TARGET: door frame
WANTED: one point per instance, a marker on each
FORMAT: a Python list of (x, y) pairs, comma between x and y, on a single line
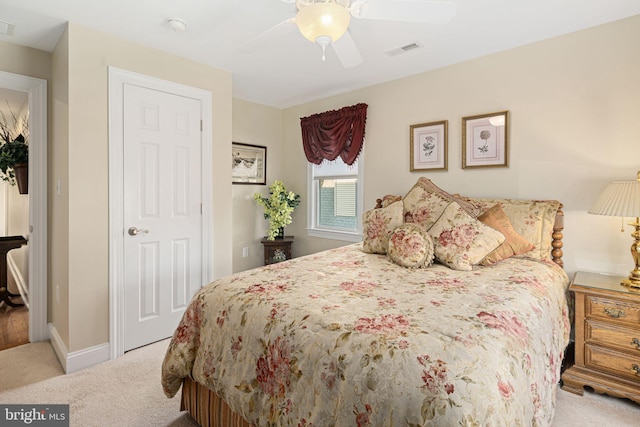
[(117, 79), (37, 91)]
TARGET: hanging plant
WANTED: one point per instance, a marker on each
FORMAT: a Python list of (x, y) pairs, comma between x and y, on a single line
[(13, 153), (14, 150)]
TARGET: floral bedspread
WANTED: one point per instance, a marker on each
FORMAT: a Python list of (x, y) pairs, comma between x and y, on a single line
[(345, 338)]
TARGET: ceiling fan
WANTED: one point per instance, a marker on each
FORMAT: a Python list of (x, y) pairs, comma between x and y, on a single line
[(326, 22)]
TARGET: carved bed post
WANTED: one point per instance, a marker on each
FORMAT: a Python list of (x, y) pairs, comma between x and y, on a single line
[(557, 236)]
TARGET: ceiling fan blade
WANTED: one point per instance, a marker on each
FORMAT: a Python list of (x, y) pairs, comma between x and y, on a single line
[(347, 51), (417, 11), (282, 29)]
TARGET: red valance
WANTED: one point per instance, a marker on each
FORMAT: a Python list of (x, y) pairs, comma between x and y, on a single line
[(334, 133)]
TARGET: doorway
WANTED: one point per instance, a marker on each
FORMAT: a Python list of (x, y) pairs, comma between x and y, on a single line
[(137, 228), (36, 91), (14, 221)]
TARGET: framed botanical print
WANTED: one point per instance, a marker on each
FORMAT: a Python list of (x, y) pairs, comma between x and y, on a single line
[(248, 164), (428, 146), (485, 140)]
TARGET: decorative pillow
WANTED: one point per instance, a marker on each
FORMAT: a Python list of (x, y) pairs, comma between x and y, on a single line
[(378, 224), (462, 241), (388, 199), (425, 202), (514, 243), (532, 219), (411, 246)]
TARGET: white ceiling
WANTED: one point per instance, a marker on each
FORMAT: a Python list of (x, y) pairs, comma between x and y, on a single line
[(284, 69)]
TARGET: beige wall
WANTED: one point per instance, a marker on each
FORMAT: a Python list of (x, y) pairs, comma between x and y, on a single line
[(84, 179), (58, 166), (574, 110), (258, 125), (25, 60)]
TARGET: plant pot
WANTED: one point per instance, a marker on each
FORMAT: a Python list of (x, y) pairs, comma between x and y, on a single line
[(280, 234), (21, 171)]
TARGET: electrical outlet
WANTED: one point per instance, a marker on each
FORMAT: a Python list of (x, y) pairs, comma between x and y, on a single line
[(245, 252)]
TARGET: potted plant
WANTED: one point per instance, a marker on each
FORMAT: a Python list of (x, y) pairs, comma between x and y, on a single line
[(278, 208), (14, 152)]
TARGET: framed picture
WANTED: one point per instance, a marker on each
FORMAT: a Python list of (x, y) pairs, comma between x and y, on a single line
[(248, 164), (428, 146), (485, 140)]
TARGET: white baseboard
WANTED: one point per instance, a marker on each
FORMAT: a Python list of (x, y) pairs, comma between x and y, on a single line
[(77, 360)]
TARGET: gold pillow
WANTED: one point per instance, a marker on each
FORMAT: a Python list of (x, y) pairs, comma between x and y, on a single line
[(514, 243)]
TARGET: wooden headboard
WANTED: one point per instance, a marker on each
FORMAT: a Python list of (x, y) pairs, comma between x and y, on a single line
[(556, 242)]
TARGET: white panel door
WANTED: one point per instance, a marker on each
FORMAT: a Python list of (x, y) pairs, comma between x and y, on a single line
[(162, 211)]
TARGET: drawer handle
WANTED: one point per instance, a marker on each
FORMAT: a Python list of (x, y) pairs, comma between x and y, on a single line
[(635, 368), (614, 312), (636, 342)]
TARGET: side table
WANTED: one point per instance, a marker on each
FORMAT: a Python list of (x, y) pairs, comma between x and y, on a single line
[(607, 352), (277, 250)]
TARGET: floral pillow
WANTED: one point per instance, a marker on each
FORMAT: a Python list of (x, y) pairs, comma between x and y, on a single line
[(462, 241), (425, 202), (389, 199), (514, 243), (411, 246), (378, 224), (532, 219)]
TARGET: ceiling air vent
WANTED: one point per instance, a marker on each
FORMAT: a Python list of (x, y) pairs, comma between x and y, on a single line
[(6, 28), (403, 49)]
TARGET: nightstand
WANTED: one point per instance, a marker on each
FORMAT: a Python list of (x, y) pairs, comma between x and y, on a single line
[(607, 337), (277, 250)]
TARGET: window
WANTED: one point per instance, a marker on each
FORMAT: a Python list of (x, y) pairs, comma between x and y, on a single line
[(335, 200)]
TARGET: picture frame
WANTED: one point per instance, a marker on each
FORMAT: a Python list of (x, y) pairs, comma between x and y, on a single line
[(248, 164), (428, 146), (485, 140)]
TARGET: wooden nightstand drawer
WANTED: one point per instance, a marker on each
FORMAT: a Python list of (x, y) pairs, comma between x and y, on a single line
[(624, 338), (612, 362), (607, 334), (612, 310)]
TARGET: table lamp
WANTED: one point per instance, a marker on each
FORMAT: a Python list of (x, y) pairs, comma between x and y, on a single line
[(622, 198)]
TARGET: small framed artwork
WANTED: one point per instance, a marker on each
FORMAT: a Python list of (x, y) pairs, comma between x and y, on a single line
[(248, 164), (428, 146), (485, 140)]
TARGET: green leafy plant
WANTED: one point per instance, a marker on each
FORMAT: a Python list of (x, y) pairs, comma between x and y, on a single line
[(14, 149), (278, 207)]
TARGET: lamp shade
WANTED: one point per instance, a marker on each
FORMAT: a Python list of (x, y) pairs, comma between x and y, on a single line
[(326, 19), (620, 198)]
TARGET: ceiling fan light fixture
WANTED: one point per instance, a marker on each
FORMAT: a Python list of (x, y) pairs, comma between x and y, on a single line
[(319, 21)]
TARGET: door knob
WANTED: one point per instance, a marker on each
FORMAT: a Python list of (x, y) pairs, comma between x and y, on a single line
[(133, 231)]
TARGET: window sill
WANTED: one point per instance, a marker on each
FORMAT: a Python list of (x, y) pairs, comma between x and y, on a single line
[(335, 235)]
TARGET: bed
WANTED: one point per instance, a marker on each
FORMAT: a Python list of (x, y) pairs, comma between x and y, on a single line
[(434, 319)]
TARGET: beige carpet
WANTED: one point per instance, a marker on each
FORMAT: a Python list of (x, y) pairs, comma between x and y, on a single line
[(28, 364), (127, 392)]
